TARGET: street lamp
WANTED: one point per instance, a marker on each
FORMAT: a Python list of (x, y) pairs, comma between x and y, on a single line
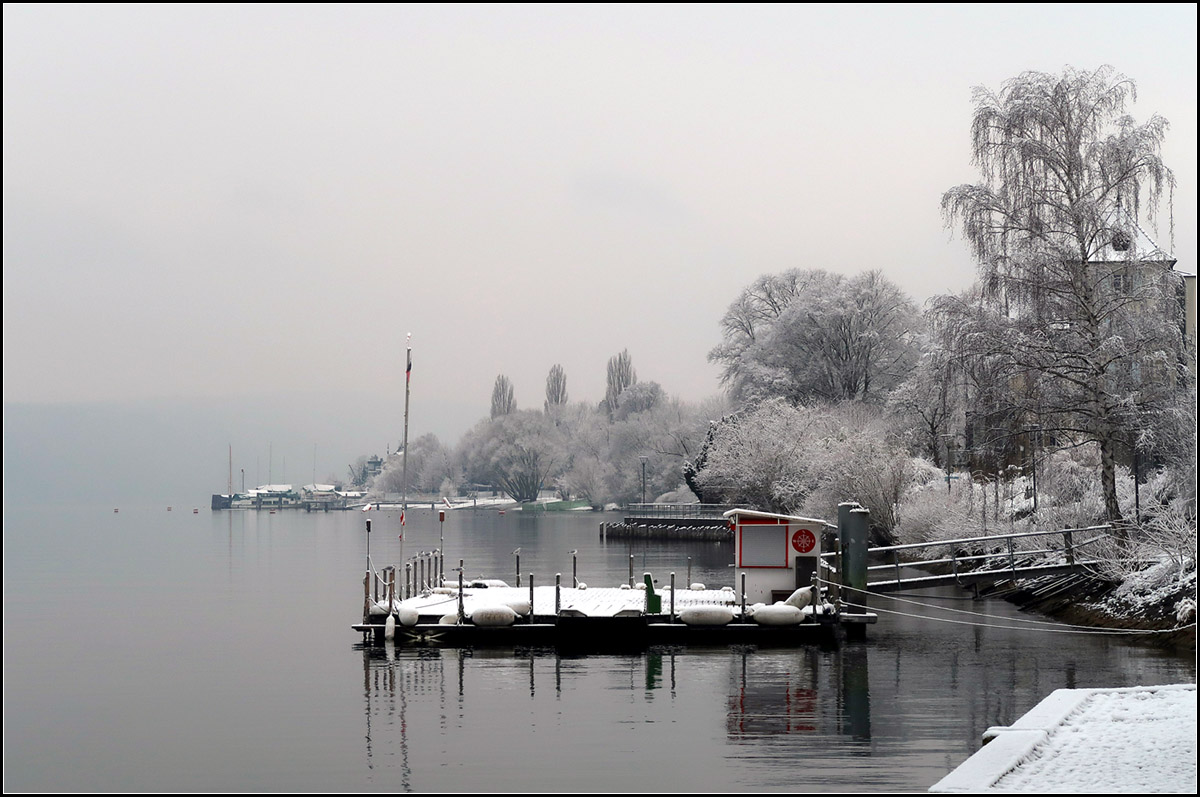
[(643, 481)]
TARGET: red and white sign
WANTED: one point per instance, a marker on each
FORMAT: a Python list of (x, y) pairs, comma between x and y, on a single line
[(803, 541)]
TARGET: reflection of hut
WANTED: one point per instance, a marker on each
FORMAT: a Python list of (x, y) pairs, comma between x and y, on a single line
[(777, 553), (773, 696)]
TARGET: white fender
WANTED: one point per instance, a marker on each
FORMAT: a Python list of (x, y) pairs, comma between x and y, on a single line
[(389, 627), (519, 605), (800, 598), (778, 614), (407, 616), (706, 615), (493, 616)]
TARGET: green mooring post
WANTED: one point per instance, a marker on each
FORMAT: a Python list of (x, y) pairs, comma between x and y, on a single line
[(855, 534), (653, 602)]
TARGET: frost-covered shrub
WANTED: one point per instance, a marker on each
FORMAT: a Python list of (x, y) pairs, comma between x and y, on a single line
[(861, 465)]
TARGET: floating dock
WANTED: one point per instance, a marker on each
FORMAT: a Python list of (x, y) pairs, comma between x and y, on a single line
[(601, 618), (782, 598)]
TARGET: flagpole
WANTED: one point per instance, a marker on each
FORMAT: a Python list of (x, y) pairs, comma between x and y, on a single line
[(404, 466)]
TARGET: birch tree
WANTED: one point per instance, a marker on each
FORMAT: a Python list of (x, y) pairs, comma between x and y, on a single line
[(1071, 307)]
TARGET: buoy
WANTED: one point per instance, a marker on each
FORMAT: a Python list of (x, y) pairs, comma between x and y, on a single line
[(407, 616), (518, 605), (448, 619), (778, 614), (493, 616), (697, 587), (800, 598), (706, 615), (389, 627)]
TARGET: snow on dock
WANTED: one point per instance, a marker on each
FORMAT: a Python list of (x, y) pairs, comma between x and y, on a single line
[(591, 602), (1136, 740)]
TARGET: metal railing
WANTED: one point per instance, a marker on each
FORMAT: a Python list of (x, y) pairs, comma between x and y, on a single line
[(714, 511), (1006, 556)]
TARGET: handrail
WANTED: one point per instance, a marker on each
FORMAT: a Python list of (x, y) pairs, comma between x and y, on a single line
[(963, 540)]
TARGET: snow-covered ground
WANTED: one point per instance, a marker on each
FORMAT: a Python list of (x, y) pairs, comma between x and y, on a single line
[(1137, 740)]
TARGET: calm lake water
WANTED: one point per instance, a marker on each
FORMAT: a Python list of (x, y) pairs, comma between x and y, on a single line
[(149, 650)]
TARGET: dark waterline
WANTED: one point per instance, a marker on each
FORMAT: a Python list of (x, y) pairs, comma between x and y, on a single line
[(150, 650)]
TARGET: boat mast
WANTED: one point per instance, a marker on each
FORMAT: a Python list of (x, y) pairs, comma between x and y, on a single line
[(231, 475)]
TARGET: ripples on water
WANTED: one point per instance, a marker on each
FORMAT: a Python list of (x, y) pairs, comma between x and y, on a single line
[(177, 652)]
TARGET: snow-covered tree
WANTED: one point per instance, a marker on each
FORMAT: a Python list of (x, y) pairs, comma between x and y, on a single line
[(1074, 313), (621, 374), (556, 388), (502, 397), (520, 453), (813, 336), (928, 399)]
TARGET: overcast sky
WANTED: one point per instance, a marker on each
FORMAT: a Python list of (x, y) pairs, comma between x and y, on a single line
[(218, 202)]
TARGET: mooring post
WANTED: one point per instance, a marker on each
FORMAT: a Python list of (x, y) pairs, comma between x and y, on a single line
[(557, 593), (517, 554), (818, 602), (857, 537), (408, 591), (531, 597), (743, 596), (689, 578), (391, 588), (461, 615), (1070, 547), (574, 569), (631, 571), (673, 593), (366, 597)]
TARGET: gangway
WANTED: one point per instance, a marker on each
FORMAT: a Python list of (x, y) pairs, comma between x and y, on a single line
[(1001, 564)]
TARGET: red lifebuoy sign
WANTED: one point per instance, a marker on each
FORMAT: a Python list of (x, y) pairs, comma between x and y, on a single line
[(803, 541)]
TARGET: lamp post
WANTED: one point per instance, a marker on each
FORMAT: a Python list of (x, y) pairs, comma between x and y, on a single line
[(643, 481)]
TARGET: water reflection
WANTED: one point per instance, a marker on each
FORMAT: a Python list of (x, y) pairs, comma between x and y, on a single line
[(816, 691)]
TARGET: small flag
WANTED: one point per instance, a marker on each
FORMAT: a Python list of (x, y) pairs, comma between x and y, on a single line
[(446, 501), (367, 508), (401, 517), (408, 368)]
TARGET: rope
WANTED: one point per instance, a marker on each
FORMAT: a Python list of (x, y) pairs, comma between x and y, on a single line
[(1054, 627), (1067, 630)]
